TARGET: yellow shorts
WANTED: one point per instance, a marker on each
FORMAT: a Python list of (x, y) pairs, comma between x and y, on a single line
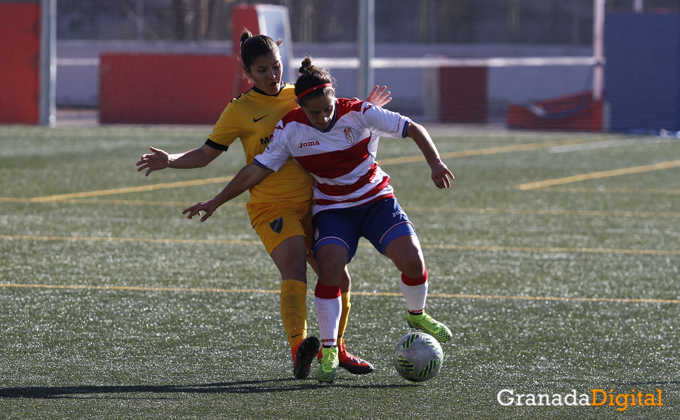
[(276, 222)]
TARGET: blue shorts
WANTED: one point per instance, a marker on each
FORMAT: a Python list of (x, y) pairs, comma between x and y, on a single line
[(380, 222)]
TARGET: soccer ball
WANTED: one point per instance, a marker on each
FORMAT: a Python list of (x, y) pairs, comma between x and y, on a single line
[(418, 357)]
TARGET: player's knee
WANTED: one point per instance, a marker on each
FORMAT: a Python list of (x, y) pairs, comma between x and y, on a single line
[(408, 260), (412, 266), (294, 270), (330, 273), (332, 259)]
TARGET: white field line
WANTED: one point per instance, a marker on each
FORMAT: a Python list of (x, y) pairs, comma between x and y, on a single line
[(607, 144)]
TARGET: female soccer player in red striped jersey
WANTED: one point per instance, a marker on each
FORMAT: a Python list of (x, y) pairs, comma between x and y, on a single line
[(336, 140), (279, 208)]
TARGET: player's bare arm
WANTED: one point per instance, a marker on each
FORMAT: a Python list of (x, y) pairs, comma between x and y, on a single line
[(441, 175), (248, 177), (195, 158)]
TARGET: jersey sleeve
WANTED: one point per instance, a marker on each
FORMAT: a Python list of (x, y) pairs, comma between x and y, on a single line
[(277, 152), (384, 122), (227, 129)]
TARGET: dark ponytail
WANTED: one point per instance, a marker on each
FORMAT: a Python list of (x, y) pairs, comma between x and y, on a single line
[(310, 77), (254, 46)]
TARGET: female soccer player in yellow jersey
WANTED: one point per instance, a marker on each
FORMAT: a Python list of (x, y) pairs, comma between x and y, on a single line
[(280, 207)]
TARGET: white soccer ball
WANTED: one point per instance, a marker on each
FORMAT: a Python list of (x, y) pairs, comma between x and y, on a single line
[(418, 357)]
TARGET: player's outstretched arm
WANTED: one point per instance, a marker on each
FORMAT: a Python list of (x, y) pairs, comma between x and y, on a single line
[(159, 159), (248, 177), (441, 175)]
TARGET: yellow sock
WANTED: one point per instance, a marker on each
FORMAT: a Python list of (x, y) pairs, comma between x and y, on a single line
[(344, 316), (294, 310)]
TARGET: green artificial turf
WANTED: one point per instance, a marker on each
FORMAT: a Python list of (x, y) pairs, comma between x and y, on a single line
[(114, 305)]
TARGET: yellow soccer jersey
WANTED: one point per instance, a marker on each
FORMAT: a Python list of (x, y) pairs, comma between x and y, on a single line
[(252, 118)]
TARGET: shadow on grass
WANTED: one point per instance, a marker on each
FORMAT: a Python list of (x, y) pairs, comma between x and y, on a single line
[(241, 387)]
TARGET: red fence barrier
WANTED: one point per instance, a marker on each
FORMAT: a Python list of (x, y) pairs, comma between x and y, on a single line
[(164, 88), (19, 63)]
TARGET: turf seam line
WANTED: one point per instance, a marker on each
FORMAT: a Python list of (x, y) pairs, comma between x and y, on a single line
[(120, 202), (540, 212), (553, 250), (545, 212), (388, 294), (426, 246), (141, 240)]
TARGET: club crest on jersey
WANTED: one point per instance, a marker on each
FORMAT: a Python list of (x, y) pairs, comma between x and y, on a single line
[(349, 136), (277, 225)]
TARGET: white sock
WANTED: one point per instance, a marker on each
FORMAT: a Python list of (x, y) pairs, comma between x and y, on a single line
[(328, 313), (415, 296)]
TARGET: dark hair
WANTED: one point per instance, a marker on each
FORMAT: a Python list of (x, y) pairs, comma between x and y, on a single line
[(254, 46), (311, 76)]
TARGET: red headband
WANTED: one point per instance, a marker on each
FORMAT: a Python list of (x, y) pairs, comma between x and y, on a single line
[(312, 89)]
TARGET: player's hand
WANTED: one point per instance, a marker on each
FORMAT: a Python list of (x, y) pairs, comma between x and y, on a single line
[(441, 175), (208, 207), (379, 96), (153, 161)]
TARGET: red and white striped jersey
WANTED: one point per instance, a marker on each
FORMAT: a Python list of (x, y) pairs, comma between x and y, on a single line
[(341, 158)]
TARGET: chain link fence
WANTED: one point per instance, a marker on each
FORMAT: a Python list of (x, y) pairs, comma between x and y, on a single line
[(563, 22)]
